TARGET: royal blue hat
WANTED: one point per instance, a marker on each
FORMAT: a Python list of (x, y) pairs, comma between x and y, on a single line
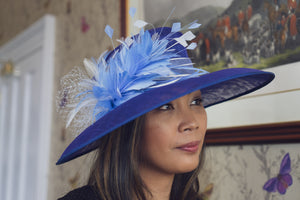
[(145, 72)]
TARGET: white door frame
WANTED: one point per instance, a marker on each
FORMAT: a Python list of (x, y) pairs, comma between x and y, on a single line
[(39, 37)]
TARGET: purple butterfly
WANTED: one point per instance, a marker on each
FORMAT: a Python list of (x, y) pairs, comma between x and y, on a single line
[(283, 179)]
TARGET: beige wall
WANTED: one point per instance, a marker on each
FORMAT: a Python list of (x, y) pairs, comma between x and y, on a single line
[(72, 46)]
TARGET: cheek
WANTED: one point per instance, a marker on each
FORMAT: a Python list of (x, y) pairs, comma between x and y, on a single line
[(203, 121), (158, 135), (157, 142)]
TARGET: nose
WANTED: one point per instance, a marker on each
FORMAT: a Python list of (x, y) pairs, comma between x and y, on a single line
[(188, 122)]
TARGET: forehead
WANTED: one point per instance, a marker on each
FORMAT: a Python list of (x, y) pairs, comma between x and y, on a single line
[(195, 93), (188, 96)]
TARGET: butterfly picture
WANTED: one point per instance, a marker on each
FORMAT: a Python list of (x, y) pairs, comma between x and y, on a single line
[(283, 179)]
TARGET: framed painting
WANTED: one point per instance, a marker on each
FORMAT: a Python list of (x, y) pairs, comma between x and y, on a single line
[(240, 33), (234, 33)]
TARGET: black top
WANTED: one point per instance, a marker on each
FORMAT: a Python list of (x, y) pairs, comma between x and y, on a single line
[(84, 193)]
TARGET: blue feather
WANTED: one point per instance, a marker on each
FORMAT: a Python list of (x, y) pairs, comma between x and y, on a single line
[(176, 27), (148, 62), (109, 31), (132, 11)]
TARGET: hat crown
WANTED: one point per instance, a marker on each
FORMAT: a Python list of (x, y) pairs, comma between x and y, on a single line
[(153, 58)]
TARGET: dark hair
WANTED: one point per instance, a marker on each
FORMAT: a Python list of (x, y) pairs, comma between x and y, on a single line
[(115, 173)]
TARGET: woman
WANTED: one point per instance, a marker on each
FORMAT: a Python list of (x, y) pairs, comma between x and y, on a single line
[(142, 105)]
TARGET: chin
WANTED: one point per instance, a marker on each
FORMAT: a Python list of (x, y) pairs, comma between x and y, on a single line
[(187, 165), (191, 167)]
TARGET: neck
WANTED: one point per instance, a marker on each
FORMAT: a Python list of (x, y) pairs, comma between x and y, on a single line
[(158, 183)]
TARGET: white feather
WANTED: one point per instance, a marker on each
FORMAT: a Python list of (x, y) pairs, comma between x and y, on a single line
[(74, 111), (90, 67), (140, 23), (188, 36)]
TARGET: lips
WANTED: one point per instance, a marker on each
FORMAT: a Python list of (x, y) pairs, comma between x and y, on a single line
[(190, 147)]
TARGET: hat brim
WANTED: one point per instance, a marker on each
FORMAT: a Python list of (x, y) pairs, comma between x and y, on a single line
[(215, 87)]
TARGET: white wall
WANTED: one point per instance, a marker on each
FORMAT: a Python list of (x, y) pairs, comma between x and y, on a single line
[(277, 102)]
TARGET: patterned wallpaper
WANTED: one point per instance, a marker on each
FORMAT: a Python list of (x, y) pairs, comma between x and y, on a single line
[(266, 172)]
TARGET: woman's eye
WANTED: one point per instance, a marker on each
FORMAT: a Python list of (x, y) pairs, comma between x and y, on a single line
[(166, 107), (197, 102)]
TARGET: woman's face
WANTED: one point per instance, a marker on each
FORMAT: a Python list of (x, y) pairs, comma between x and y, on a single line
[(174, 135)]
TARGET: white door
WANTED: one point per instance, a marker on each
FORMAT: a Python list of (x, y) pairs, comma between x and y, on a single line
[(25, 113)]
